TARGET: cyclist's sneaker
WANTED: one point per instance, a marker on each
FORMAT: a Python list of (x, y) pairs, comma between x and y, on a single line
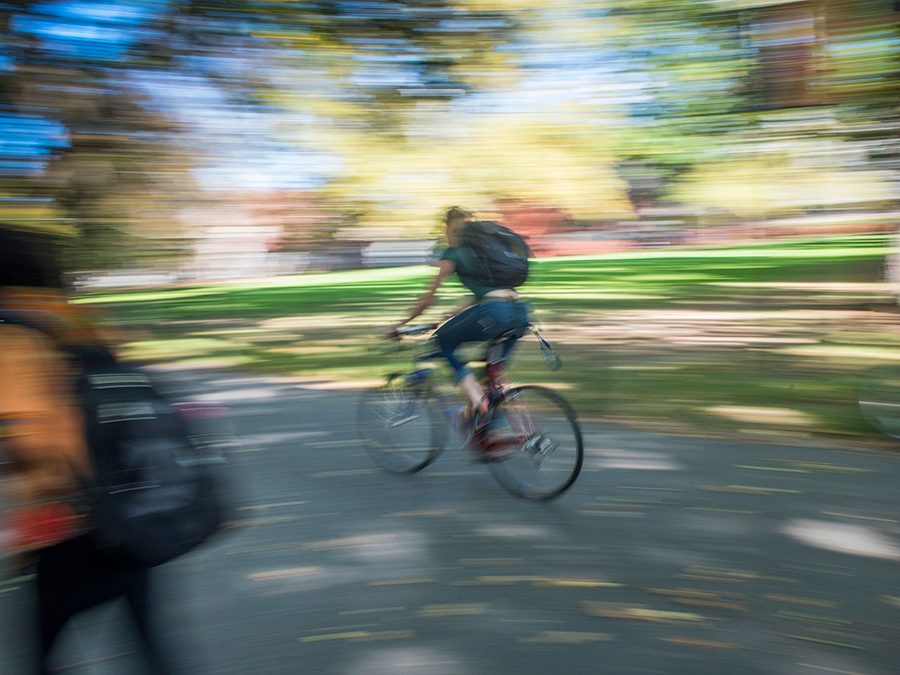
[(491, 437), (466, 424), (477, 446)]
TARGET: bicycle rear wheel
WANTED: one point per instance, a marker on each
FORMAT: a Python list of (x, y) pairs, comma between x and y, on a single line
[(545, 450), (403, 427)]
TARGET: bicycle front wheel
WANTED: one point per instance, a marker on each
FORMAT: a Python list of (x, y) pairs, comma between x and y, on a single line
[(545, 449), (403, 427)]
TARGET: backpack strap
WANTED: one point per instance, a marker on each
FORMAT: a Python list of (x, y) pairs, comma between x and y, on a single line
[(92, 356), (551, 358)]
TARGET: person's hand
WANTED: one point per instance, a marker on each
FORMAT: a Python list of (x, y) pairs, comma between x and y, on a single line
[(390, 331)]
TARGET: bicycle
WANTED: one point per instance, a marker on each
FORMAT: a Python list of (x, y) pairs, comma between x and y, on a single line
[(529, 437)]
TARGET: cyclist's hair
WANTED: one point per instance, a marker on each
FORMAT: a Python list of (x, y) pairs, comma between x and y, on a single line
[(457, 212)]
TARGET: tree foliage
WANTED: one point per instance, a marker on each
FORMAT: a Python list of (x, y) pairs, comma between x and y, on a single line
[(762, 108), (593, 107)]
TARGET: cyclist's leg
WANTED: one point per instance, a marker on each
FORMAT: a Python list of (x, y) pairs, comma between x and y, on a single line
[(451, 335), (467, 326), (479, 323), (514, 322)]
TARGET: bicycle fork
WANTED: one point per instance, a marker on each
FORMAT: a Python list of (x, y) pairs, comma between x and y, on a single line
[(406, 413)]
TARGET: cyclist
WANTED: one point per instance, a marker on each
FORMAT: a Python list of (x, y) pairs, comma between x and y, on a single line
[(487, 314)]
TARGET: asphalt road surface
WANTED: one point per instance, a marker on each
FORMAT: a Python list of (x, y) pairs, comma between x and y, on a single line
[(670, 555)]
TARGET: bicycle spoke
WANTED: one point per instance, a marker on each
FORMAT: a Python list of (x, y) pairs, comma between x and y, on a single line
[(404, 432)]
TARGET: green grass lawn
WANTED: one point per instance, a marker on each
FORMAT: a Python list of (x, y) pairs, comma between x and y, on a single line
[(764, 340)]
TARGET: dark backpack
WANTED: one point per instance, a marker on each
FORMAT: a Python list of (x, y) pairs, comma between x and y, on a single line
[(156, 494), (498, 256)]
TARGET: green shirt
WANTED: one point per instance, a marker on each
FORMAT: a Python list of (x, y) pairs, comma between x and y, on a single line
[(461, 258)]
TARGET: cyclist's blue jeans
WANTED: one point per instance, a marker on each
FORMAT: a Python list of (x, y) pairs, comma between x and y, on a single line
[(480, 323)]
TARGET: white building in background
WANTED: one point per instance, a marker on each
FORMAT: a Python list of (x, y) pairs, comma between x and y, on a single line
[(398, 253), (230, 243)]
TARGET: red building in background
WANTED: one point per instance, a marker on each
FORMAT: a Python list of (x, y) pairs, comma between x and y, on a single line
[(552, 232)]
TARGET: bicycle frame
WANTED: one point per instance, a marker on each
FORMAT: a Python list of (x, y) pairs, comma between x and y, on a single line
[(529, 438), (494, 371)]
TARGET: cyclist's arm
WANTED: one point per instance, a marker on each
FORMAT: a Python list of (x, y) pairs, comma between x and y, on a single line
[(446, 268)]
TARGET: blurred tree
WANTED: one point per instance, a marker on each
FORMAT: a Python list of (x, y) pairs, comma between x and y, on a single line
[(119, 174), (747, 90), (123, 168), (461, 102), (588, 106)]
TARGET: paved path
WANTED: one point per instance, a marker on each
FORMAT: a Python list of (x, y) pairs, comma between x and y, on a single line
[(670, 555)]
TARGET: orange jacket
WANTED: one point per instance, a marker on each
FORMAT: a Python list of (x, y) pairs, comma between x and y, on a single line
[(42, 439)]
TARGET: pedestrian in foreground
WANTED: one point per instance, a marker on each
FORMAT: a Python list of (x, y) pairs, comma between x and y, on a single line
[(45, 453)]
